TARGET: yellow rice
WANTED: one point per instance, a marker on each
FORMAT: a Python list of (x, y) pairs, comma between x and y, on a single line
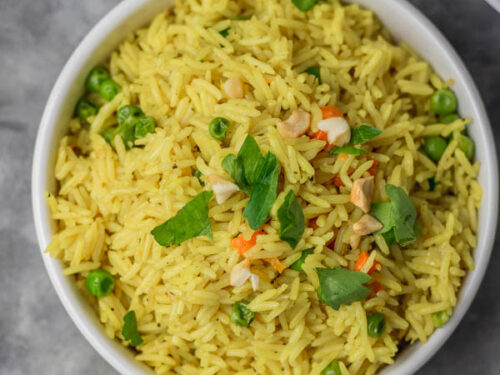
[(108, 201)]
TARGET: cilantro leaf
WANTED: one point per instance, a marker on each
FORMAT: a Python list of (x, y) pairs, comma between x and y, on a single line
[(252, 160), (245, 167), (384, 212), (363, 134), (291, 220), (263, 192), (297, 265), (191, 221), (347, 150), (340, 286), (129, 329), (389, 237), (398, 216), (257, 176), (234, 166)]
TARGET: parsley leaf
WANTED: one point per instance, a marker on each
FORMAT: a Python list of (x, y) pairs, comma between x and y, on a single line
[(191, 221), (347, 150), (291, 220), (129, 329), (398, 216), (257, 176), (363, 134), (245, 167), (340, 286), (263, 193)]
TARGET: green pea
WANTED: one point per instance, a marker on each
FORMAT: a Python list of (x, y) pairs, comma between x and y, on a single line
[(100, 283), (95, 79), (84, 109), (332, 369), (467, 145), (434, 147), (451, 118), (304, 5), (218, 128), (198, 175), (127, 133), (109, 89), (144, 126), (376, 324), (129, 115), (440, 318), (297, 265), (314, 71), (241, 315), (109, 134), (443, 102)]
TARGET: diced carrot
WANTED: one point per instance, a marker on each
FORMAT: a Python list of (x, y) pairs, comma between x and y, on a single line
[(337, 181), (329, 111), (375, 287), (277, 265), (373, 169), (344, 156), (362, 259), (321, 136), (241, 245)]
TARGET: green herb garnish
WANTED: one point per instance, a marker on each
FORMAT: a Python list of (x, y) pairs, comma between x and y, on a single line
[(129, 329), (314, 71), (291, 219), (191, 221), (257, 176), (398, 215), (363, 134), (263, 193), (340, 286), (225, 32), (199, 175)]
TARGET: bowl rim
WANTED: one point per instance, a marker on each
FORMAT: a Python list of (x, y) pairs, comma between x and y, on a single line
[(114, 353)]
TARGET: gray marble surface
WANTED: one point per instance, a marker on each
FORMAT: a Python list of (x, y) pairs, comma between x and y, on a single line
[(36, 38)]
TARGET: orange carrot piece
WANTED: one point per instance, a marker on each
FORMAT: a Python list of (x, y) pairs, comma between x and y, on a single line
[(329, 111), (362, 259), (321, 136), (277, 265), (241, 245)]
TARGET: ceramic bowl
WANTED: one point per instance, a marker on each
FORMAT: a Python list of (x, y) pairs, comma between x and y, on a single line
[(405, 23)]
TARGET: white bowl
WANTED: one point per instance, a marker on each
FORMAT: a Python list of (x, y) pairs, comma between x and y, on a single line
[(406, 24)]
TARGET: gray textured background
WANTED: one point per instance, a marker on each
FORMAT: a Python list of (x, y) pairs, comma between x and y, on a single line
[(36, 38)]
